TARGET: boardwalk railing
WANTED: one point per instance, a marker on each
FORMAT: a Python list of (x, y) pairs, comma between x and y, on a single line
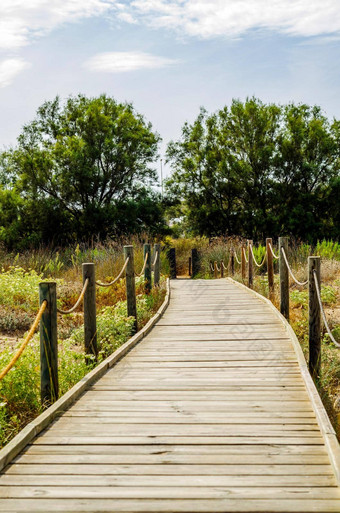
[(246, 262), (48, 314)]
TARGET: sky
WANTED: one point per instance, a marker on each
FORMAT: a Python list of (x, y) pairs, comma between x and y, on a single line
[(167, 57)]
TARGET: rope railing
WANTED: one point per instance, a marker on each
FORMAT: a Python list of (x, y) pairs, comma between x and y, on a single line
[(286, 279), (301, 283), (49, 322), (155, 259), (79, 300), (25, 342), (237, 260), (117, 278), (318, 293), (254, 259), (144, 266), (272, 252)]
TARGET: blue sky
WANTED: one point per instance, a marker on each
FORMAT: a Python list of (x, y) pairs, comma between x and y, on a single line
[(167, 57)]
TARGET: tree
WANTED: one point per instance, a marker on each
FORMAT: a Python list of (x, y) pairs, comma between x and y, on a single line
[(222, 167), (308, 164), (84, 157), (256, 170)]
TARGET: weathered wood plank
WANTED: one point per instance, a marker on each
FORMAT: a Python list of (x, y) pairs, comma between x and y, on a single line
[(164, 450), (177, 481), (170, 469), (172, 505), (168, 492), (177, 459)]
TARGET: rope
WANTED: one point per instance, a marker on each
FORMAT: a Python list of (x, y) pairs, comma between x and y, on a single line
[(224, 267), (263, 261), (66, 312), (144, 265), (218, 268), (116, 279), (156, 258), (303, 283), (237, 260), (211, 268), (272, 252), (323, 312), (26, 341), (245, 256)]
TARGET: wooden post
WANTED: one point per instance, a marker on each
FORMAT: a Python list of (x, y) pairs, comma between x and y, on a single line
[(284, 278), (215, 270), (243, 263), (222, 269), (270, 268), (314, 318), (250, 264), (49, 387), (157, 266), (147, 270), (172, 263), (232, 262), (190, 266), (130, 286), (195, 262), (90, 316)]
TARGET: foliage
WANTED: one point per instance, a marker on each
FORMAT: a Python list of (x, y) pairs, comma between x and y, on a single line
[(19, 288), (83, 167), (328, 249), (255, 169)]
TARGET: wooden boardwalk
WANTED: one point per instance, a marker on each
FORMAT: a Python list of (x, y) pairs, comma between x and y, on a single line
[(209, 413)]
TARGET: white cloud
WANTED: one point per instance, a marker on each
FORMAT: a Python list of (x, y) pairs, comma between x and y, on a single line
[(9, 69), (22, 20), (232, 18), (120, 62)]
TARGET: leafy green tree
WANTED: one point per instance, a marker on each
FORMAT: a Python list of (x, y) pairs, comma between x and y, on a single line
[(222, 168), (256, 170), (83, 158), (308, 163)]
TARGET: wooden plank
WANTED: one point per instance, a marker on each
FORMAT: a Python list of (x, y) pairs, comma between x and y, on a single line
[(168, 492), (201, 417), (185, 394), (172, 505), (170, 469), (178, 440), (67, 426), (176, 459), (164, 450), (210, 404), (267, 481)]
